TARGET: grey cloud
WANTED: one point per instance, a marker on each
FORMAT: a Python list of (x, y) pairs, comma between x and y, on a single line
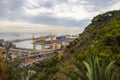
[(57, 21), (11, 5), (46, 4), (14, 6), (13, 11), (98, 5), (10, 8)]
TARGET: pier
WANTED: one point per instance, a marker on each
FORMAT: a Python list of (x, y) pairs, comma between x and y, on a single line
[(20, 40)]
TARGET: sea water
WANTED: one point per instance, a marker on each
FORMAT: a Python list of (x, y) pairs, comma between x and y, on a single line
[(23, 44)]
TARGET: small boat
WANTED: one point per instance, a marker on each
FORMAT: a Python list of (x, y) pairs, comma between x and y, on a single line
[(16, 34)]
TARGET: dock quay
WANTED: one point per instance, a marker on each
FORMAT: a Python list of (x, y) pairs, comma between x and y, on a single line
[(12, 50), (28, 53), (28, 57)]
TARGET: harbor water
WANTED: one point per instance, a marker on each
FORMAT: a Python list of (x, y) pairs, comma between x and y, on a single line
[(23, 44)]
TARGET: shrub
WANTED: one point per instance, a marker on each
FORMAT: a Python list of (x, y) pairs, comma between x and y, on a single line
[(92, 69)]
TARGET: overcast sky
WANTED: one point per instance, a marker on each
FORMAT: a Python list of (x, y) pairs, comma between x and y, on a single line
[(70, 16)]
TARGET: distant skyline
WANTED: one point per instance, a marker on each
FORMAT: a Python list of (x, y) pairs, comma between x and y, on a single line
[(67, 16)]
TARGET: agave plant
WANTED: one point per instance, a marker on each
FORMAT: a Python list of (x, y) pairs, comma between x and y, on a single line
[(93, 69)]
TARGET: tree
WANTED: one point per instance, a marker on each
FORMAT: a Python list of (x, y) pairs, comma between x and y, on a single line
[(8, 46)]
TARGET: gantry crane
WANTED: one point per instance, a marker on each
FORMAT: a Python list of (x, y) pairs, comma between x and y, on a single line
[(51, 38), (33, 42), (67, 35), (52, 41), (42, 42)]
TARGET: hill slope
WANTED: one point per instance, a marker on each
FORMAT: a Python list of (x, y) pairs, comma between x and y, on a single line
[(101, 37)]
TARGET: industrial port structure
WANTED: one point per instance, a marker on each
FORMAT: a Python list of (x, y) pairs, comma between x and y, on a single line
[(30, 56)]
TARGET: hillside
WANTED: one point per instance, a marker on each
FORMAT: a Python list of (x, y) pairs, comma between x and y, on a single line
[(101, 37)]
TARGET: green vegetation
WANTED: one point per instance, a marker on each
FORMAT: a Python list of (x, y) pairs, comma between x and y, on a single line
[(101, 36), (46, 70), (93, 69), (15, 72), (35, 52), (7, 47)]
